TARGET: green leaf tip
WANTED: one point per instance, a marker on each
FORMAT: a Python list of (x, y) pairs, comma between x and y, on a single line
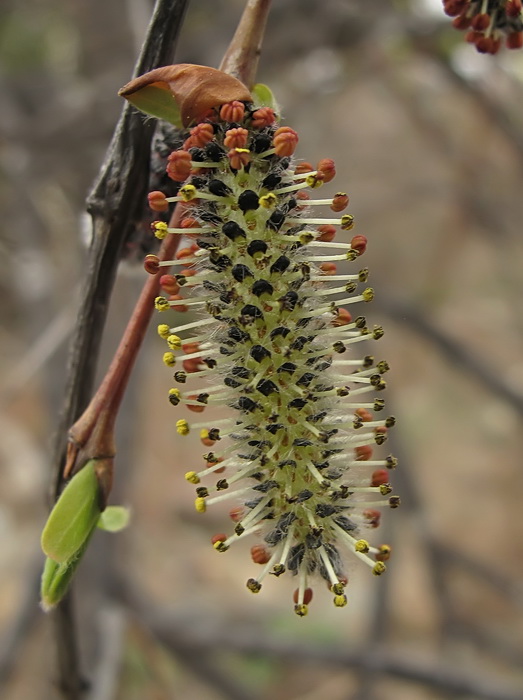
[(114, 519), (73, 517), (263, 97)]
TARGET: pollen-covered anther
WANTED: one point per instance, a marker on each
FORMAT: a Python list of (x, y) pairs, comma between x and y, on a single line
[(268, 201), (182, 427), (379, 568), (161, 304), (253, 585), (179, 166), (262, 117), (192, 478), (151, 264), (340, 601), (347, 222), (239, 158), (232, 111), (188, 192), (200, 504), (157, 201), (383, 553), (236, 138), (285, 141)]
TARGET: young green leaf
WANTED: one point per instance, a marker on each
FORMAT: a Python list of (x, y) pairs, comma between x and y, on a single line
[(57, 577), (114, 519), (264, 97), (73, 517), (157, 102)]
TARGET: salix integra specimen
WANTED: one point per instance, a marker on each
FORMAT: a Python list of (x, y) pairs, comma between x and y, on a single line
[(272, 342)]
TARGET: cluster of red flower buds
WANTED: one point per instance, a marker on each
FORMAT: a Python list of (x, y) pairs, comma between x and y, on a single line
[(487, 22)]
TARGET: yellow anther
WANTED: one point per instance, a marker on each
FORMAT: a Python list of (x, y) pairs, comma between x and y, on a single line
[(163, 331), (385, 549), (242, 150), (169, 359), (188, 192), (174, 342), (200, 505), (220, 546), (379, 568), (160, 229), (347, 222), (182, 427), (204, 434), (161, 304), (301, 610), (340, 601), (313, 181), (368, 294), (268, 201), (338, 588), (385, 489), (192, 477), (362, 546)]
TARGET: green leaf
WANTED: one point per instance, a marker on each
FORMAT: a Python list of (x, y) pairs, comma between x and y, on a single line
[(263, 97), (73, 517), (157, 102), (114, 519), (57, 577)]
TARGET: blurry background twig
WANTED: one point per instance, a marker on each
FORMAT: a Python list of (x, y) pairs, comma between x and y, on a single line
[(427, 138)]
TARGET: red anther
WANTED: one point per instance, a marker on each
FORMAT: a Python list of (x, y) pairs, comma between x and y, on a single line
[(363, 453), (359, 244), (471, 37), (372, 517), (285, 141), (220, 537), (220, 470), (328, 233), (259, 554), (454, 7), (343, 318), (327, 167), (201, 134), (179, 165), (192, 366), (483, 44), (195, 247), (184, 253), (189, 348), (515, 40), (379, 477), (480, 22), (232, 111), (495, 45), (205, 440), (328, 268), (303, 168), (301, 194), (384, 553), (169, 284), (461, 22), (188, 272), (238, 158), (513, 8), (157, 201), (364, 414), (263, 117), (236, 513), (236, 138), (151, 264), (307, 596), (189, 222), (340, 201), (178, 307), (195, 409)]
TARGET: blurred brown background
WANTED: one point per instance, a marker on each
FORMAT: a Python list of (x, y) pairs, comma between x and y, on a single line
[(428, 141)]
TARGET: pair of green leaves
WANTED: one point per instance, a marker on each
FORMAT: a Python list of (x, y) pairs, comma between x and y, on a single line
[(67, 532)]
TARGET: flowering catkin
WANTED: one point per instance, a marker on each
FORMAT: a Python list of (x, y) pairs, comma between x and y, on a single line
[(275, 346)]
